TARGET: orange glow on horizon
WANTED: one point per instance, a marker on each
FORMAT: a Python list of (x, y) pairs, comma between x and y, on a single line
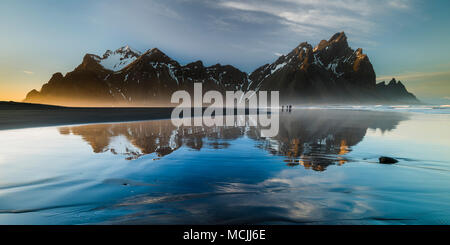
[(11, 93)]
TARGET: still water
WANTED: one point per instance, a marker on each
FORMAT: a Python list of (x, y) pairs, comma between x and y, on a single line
[(322, 168)]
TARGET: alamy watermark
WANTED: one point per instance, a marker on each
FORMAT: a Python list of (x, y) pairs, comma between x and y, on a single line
[(236, 104)]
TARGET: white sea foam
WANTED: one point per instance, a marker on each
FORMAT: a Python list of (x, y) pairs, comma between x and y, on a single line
[(426, 109)]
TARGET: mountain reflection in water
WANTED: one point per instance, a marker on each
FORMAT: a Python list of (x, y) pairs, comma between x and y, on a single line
[(314, 139)]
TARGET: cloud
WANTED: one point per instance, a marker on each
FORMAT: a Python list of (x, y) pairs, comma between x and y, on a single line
[(28, 72), (400, 4), (415, 75), (314, 17), (252, 30)]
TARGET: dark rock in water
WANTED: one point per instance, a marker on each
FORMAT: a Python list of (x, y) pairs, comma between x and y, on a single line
[(387, 160)]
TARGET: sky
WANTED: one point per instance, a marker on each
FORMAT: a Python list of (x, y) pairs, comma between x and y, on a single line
[(406, 39)]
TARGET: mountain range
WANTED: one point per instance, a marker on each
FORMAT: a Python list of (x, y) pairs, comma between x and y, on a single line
[(330, 72)]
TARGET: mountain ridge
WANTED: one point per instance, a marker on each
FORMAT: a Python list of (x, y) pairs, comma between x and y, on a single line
[(330, 72)]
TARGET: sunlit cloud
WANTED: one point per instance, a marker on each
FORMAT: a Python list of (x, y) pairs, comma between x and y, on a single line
[(28, 72), (415, 75)]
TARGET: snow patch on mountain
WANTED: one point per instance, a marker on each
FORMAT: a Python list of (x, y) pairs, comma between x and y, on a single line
[(278, 67), (119, 59)]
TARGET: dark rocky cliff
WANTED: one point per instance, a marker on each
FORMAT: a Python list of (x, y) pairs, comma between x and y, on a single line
[(331, 72)]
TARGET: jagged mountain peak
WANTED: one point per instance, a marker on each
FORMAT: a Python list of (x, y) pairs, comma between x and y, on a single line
[(337, 42), (338, 39), (91, 62), (393, 81), (156, 55), (154, 51), (303, 45), (126, 51), (195, 64), (302, 50), (56, 76)]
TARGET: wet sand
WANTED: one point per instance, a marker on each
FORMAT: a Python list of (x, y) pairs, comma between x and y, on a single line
[(321, 169), (24, 115), (15, 115)]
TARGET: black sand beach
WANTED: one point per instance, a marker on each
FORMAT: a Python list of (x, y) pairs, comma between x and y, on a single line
[(15, 115)]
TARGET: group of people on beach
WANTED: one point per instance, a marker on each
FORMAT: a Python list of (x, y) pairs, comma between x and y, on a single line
[(288, 108)]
